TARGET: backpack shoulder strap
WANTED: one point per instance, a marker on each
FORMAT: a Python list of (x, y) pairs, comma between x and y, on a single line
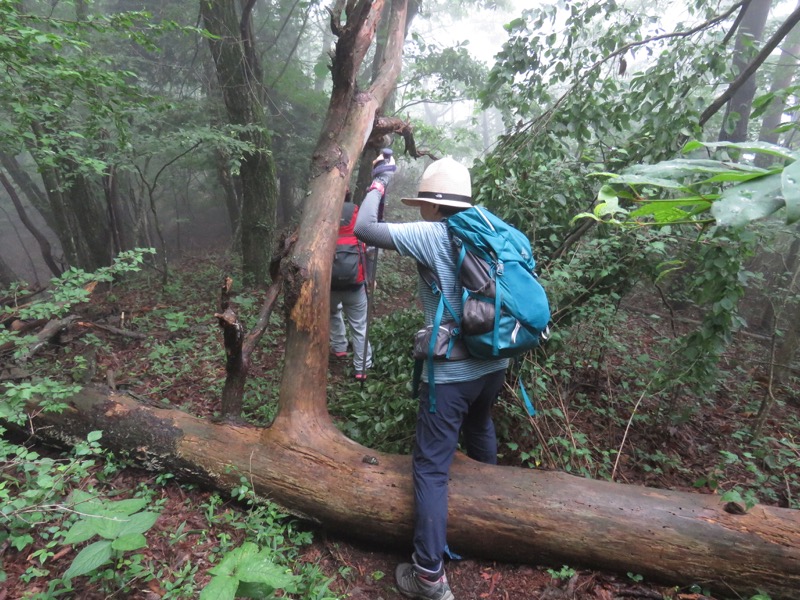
[(430, 278)]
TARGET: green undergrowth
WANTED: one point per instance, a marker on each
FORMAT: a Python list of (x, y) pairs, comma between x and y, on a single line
[(604, 411), (74, 515), (83, 529)]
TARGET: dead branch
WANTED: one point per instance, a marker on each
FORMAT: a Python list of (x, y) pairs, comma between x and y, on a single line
[(48, 332), (135, 335), (384, 126)]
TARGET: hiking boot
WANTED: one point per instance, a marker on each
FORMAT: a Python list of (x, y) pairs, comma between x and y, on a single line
[(361, 376), (339, 354), (412, 585)]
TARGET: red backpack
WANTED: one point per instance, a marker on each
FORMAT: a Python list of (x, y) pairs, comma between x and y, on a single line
[(348, 262)]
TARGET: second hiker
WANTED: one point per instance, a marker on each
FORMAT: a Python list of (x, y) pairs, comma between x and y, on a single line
[(349, 290)]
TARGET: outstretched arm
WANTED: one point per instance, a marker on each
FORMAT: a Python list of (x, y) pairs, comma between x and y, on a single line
[(369, 228)]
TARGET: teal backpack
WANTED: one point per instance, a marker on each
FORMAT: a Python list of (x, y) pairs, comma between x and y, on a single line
[(505, 311)]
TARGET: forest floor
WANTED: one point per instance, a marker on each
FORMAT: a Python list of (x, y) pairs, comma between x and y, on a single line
[(358, 571)]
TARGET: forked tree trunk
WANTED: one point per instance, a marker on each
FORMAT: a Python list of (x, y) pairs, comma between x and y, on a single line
[(307, 272), (497, 513)]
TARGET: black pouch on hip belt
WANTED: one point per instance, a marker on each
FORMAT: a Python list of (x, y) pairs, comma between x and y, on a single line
[(447, 345)]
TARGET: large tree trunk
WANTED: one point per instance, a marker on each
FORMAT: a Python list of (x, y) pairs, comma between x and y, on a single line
[(239, 75), (28, 186), (782, 76), (41, 239), (497, 513), (7, 274), (307, 273), (740, 105)]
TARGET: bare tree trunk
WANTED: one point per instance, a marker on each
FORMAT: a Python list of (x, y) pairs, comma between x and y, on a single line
[(79, 220), (380, 138), (44, 244), (786, 318), (497, 513), (307, 271), (782, 77), (239, 346), (7, 274), (779, 35), (239, 76), (28, 186), (750, 32)]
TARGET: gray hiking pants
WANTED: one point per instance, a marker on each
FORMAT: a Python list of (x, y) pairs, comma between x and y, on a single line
[(354, 306)]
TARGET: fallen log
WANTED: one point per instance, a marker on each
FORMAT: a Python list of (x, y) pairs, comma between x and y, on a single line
[(498, 513)]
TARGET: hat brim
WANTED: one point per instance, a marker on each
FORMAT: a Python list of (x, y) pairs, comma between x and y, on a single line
[(442, 202)]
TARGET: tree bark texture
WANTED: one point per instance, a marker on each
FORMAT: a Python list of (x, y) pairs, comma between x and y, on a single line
[(307, 271), (750, 32), (7, 274), (239, 346), (782, 77), (41, 239), (80, 221), (779, 35), (238, 73), (497, 513), (28, 186)]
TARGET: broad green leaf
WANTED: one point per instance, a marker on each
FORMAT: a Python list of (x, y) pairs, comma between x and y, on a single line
[(664, 208), (759, 147), (248, 563), (89, 559), (126, 507), (129, 541), (732, 496), (259, 591), (259, 569), (682, 167), (139, 523), (746, 202), (45, 481), (221, 587), (229, 562), (790, 183), (80, 532), (79, 496), (736, 176), (606, 193), (583, 216), (21, 541), (109, 525), (640, 180), (662, 212), (85, 503), (609, 207)]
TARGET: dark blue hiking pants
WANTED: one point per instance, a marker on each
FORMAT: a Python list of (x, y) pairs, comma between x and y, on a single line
[(460, 407)]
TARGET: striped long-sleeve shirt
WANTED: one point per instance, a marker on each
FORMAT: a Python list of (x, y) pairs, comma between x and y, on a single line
[(428, 243)]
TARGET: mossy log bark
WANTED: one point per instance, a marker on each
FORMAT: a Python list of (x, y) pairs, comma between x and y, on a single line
[(499, 513)]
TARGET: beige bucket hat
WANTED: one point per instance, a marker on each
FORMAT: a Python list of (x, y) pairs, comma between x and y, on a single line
[(444, 182)]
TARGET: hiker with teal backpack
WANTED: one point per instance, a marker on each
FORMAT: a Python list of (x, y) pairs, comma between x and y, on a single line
[(457, 388)]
